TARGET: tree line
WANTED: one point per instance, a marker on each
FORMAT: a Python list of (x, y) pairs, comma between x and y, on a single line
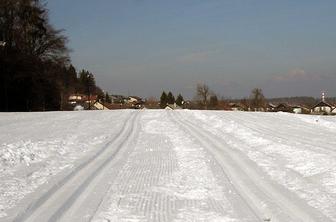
[(205, 98), (36, 73), (169, 99)]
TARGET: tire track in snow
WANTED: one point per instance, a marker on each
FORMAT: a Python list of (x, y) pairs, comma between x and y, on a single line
[(269, 200), (53, 203)]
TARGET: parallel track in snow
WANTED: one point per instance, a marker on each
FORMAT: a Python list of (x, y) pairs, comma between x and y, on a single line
[(283, 137), (268, 199), (57, 201)]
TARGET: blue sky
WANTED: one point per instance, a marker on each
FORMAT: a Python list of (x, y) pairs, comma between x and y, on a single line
[(142, 47)]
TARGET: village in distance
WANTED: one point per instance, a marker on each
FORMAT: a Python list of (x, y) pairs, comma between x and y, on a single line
[(204, 99)]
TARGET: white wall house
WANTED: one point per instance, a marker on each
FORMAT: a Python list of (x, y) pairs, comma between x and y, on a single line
[(100, 106), (322, 107), (236, 107), (172, 107), (297, 110), (334, 110), (134, 99), (74, 98), (300, 109)]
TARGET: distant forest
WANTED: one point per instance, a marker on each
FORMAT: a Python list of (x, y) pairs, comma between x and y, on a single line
[(36, 73), (307, 101), (297, 100)]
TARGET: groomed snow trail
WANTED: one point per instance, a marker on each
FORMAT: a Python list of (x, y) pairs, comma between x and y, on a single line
[(158, 165), (169, 177), (67, 200), (37, 150), (268, 199), (64, 199)]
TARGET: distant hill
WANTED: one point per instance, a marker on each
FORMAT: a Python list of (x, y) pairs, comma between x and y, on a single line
[(298, 100)]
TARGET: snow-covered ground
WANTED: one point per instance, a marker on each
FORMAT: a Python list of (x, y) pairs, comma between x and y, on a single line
[(158, 165)]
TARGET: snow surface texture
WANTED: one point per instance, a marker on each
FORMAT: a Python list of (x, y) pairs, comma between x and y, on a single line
[(34, 147), (167, 166)]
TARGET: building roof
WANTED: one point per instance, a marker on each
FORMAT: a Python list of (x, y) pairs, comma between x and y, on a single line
[(236, 105), (283, 105), (271, 105), (322, 104), (135, 97), (173, 106)]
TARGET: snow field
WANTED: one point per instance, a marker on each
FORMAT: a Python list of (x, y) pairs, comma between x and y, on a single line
[(36, 148), (167, 178), (297, 155), (158, 165)]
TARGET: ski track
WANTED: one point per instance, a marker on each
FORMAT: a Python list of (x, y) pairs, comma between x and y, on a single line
[(284, 162), (170, 178), (52, 205), (279, 203), (37, 148), (191, 166), (290, 131)]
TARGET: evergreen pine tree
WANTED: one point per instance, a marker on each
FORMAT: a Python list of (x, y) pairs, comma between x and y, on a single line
[(163, 100), (179, 100), (170, 98), (108, 98)]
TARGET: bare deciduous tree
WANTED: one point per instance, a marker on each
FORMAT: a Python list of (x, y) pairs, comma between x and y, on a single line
[(203, 93), (258, 101)]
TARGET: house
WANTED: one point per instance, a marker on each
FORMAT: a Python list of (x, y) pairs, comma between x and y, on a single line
[(135, 102), (137, 105), (236, 107), (100, 106), (270, 107), (133, 99), (115, 106), (81, 98), (172, 107), (322, 108), (168, 108), (92, 98), (76, 98), (283, 107), (298, 109), (120, 99), (334, 110)]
